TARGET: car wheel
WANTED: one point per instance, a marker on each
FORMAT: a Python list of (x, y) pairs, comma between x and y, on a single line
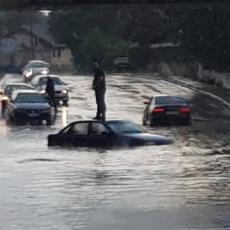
[(144, 122), (65, 103), (152, 122), (49, 121)]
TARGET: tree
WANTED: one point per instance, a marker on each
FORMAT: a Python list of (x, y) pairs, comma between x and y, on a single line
[(205, 33)]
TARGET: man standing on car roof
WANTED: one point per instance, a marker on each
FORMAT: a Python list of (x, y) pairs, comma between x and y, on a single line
[(99, 86), (50, 91)]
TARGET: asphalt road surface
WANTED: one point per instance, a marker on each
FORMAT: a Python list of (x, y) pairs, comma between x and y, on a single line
[(181, 186)]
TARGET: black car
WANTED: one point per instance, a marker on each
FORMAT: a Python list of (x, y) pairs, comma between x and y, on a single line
[(28, 105), (165, 109), (111, 133)]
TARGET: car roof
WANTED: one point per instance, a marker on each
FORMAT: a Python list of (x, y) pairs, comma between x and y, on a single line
[(38, 61), (17, 83), (105, 122)]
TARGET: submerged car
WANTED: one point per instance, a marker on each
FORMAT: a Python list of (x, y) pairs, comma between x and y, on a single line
[(34, 68), (111, 133), (61, 90), (28, 105), (7, 92), (165, 109)]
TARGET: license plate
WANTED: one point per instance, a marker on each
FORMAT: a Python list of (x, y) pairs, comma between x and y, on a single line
[(33, 114), (172, 112)]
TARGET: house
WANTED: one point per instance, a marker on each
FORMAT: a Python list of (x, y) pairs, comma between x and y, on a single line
[(34, 42)]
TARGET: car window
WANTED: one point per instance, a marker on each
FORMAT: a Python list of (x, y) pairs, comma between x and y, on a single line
[(79, 128), (30, 98), (98, 129), (170, 101), (57, 81), (125, 127)]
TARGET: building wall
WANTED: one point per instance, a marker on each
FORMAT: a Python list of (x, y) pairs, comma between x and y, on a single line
[(62, 58)]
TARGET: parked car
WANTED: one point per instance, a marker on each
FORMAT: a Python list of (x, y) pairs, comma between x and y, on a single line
[(7, 92), (111, 133), (33, 68), (28, 105), (163, 109), (61, 90)]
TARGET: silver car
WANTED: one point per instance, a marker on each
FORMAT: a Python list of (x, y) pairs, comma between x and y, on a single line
[(34, 68)]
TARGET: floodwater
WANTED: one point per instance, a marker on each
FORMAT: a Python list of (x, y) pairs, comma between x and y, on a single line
[(181, 186)]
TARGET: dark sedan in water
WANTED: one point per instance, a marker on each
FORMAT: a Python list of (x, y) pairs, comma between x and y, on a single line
[(165, 109), (28, 105), (105, 134)]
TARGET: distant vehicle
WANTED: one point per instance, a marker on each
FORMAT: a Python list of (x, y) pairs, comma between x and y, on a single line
[(7, 92), (33, 68), (61, 90), (164, 109), (121, 63), (9, 78), (28, 105), (105, 134)]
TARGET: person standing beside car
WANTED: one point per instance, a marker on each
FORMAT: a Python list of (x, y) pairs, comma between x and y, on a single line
[(50, 91), (99, 86)]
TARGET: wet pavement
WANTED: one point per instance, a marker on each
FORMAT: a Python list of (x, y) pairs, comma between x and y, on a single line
[(181, 186)]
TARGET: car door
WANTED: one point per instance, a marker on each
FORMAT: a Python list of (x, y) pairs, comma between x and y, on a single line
[(78, 134), (99, 135), (75, 134)]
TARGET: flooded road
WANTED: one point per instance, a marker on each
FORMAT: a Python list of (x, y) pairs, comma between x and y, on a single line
[(181, 186)]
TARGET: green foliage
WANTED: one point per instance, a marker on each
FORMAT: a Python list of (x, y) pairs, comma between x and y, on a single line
[(205, 33), (106, 31)]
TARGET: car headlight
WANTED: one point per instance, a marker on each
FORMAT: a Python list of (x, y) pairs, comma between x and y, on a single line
[(44, 71), (28, 73), (43, 91), (64, 91)]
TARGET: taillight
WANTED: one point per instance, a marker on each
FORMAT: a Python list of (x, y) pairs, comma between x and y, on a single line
[(158, 110), (185, 110)]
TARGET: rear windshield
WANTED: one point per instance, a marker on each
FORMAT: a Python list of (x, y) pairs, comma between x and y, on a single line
[(30, 98), (170, 101), (37, 65), (9, 89), (43, 81)]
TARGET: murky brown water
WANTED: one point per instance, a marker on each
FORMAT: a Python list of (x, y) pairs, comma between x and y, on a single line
[(182, 186)]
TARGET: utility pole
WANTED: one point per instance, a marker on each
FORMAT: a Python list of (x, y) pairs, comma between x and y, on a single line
[(31, 40)]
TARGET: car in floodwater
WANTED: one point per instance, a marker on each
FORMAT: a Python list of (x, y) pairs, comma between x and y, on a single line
[(8, 90), (61, 93), (166, 109), (33, 68), (111, 133), (28, 105)]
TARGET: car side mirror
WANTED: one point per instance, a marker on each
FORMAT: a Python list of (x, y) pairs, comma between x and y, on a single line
[(146, 102)]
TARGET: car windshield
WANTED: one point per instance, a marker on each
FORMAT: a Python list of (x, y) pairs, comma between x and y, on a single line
[(57, 81), (30, 98), (170, 101), (124, 127), (37, 65)]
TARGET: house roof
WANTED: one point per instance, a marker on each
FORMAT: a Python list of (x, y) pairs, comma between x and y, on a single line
[(41, 31)]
